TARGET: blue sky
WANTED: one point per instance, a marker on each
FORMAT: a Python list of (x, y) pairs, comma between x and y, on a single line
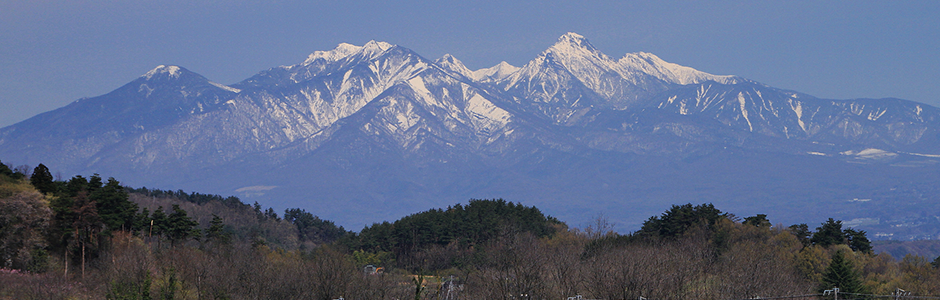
[(54, 52)]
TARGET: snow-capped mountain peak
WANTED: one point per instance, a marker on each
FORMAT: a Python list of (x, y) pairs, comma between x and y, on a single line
[(572, 38), (163, 70), (494, 73), (452, 64), (573, 44), (342, 50), (373, 48)]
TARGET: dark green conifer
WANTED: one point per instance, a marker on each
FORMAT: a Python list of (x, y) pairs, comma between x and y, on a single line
[(42, 180), (116, 211), (216, 232), (857, 240), (830, 233), (760, 220), (680, 218), (802, 233), (181, 226), (841, 274), (5, 170), (158, 222)]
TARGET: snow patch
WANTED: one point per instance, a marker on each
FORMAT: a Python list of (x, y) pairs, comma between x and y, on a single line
[(340, 52), (870, 154), (741, 102), (417, 84), (225, 87), (922, 154), (171, 71), (798, 109)]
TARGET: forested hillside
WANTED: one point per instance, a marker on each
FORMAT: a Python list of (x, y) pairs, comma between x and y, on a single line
[(91, 238)]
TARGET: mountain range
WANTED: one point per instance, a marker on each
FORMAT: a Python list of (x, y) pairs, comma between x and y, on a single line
[(362, 134)]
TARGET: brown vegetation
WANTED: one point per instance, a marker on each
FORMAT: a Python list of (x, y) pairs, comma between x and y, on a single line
[(688, 253)]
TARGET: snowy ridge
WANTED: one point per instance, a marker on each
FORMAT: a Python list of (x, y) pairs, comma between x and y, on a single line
[(373, 48), (556, 76), (494, 73), (451, 64), (378, 127), (651, 64), (169, 71), (342, 50), (751, 107)]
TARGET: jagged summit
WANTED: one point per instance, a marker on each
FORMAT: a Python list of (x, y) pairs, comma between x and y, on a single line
[(342, 50), (373, 48), (357, 132), (573, 45), (452, 64), (574, 40)]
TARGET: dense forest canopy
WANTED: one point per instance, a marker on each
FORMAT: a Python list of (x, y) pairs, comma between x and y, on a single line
[(91, 238), (473, 224)]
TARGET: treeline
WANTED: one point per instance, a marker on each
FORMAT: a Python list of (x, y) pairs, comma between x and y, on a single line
[(73, 219), (297, 228), (214, 247)]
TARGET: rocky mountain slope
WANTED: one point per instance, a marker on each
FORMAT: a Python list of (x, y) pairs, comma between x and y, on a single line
[(367, 133)]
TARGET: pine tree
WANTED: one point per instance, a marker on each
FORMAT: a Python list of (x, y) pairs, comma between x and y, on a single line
[(158, 223), (5, 170), (857, 240), (42, 180), (760, 220), (841, 274), (216, 232), (181, 226), (830, 233), (116, 211), (802, 233)]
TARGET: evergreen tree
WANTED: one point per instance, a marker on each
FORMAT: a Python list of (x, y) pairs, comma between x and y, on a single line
[(312, 228), (181, 226), (841, 274), (61, 233), (216, 232), (802, 233), (5, 170), (680, 218), (94, 183), (114, 208), (76, 185), (830, 233), (142, 221), (760, 220), (158, 223), (42, 180), (857, 240)]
